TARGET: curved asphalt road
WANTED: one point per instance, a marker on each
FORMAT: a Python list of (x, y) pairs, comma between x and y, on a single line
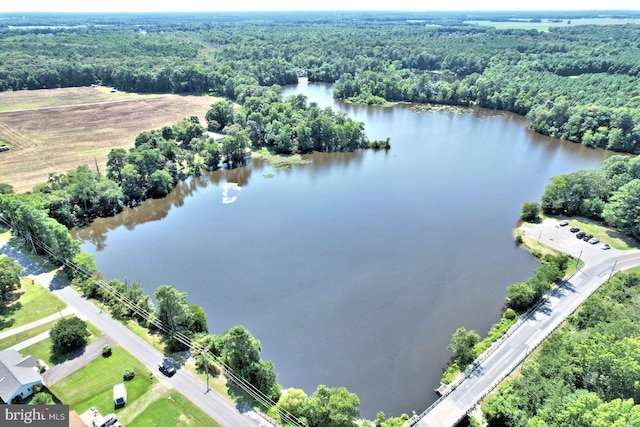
[(220, 409), (559, 303)]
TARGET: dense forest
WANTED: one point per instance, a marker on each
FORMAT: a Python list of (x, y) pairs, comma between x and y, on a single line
[(611, 194), (575, 82), (586, 373)]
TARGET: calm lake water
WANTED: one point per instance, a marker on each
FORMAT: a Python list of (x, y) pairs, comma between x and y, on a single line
[(353, 270)]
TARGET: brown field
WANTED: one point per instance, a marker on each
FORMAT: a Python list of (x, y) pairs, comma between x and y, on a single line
[(56, 130)]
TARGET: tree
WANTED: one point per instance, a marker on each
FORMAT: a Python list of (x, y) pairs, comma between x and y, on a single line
[(240, 350), (623, 210), (10, 272), (173, 309), (531, 212), (197, 319), (292, 401), (462, 344), (219, 116), (160, 183), (331, 407), (68, 334)]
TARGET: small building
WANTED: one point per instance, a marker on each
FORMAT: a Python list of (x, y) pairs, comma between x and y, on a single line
[(119, 395), (217, 137), (19, 376)]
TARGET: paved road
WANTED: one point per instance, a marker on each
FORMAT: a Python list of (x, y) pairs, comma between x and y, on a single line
[(559, 303), (211, 403)]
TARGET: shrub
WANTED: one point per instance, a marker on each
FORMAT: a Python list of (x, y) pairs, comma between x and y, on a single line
[(128, 374), (106, 350), (510, 314)]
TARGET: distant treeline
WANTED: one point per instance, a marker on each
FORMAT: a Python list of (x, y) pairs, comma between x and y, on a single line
[(579, 83)]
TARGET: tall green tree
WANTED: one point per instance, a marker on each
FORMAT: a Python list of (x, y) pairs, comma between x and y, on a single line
[(68, 334), (10, 272), (462, 344), (331, 407)]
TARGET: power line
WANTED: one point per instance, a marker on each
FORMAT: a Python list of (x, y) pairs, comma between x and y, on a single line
[(245, 385)]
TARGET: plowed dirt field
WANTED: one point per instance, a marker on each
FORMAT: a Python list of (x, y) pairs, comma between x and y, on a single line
[(56, 130)]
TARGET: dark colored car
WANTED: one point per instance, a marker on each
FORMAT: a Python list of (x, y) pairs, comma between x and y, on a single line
[(574, 229), (587, 237), (581, 234), (167, 366)]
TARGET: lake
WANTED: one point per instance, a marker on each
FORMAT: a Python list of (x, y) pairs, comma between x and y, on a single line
[(356, 269)]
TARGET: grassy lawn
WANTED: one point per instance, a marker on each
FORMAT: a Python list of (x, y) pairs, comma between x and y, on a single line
[(172, 409), (92, 385), (217, 383), (155, 339), (33, 302), (23, 336)]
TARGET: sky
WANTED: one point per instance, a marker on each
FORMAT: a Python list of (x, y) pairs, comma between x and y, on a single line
[(261, 5)]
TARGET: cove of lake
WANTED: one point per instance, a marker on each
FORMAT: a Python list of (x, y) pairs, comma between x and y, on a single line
[(353, 270)]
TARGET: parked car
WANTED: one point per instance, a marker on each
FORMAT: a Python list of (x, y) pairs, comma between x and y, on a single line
[(594, 240), (574, 229), (581, 234), (605, 247), (564, 223), (168, 366), (587, 237)]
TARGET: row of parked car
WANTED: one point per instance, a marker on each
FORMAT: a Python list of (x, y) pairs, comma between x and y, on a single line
[(584, 236)]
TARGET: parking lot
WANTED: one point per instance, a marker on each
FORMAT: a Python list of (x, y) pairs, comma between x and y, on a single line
[(559, 237)]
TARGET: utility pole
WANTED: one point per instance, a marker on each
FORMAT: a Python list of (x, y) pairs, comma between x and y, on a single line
[(612, 268), (206, 367), (578, 263)]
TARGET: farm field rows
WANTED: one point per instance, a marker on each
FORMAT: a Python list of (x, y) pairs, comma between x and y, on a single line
[(56, 130)]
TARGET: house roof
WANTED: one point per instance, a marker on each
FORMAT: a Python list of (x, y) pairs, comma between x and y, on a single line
[(216, 136), (16, 371)]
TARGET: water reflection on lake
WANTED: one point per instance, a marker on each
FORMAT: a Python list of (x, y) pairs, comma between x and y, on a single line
[(353, 270)]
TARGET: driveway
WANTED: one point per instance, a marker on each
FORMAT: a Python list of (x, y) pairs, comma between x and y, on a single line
[(76, 360)]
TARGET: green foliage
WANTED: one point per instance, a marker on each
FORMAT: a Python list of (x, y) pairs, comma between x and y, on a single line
[(10, 272), (531, 212), (241, 352), (451, 374), (128, 374), (42, 398), (463, 345), (584, 374), (524, 295), (106, 350), (331, 407), (68, 334), (293, 401), (6, 188)]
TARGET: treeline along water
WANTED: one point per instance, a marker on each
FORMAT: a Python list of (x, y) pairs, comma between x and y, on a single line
[(353, 270)]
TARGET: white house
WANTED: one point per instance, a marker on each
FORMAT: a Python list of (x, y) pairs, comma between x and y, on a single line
[(19, 376), (217, 137)]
